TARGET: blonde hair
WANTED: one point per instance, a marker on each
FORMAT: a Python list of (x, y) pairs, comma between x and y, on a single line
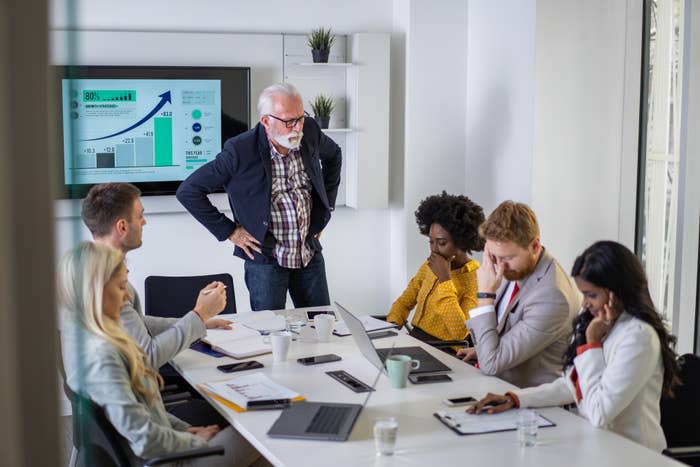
[(83, 273), (511, 222)]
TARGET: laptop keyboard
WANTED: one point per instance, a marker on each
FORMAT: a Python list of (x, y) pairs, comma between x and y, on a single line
[(328, 420)]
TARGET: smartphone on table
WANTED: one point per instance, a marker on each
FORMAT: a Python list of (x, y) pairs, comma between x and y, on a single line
[(459, 401), (240, 366), (425, 379), (315, 360)]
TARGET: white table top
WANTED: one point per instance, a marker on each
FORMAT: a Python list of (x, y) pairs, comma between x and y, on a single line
[(422, 439)]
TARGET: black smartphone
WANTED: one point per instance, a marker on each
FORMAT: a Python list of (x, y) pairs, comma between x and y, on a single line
[(331, 357), (457, 401), (240, 366), (425, 379), (380, 334)]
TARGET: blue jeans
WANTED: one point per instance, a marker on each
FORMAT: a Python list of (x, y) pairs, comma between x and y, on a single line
[(268, 284)]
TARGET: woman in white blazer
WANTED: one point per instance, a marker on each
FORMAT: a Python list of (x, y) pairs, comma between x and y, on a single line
[(106, 365), (620, 359)]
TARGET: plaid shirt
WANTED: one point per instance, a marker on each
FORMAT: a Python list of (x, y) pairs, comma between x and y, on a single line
[(290, 209)]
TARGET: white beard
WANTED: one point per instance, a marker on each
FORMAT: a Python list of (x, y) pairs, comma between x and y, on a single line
[(289, 141)]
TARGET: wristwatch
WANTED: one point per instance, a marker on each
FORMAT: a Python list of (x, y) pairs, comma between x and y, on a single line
[(486, 295)]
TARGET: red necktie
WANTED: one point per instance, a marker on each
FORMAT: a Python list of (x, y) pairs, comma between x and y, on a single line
[(515, 292)]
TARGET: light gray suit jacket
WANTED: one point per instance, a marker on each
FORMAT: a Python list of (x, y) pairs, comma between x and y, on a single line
[(96, 369), (160, 338), (527, 346)]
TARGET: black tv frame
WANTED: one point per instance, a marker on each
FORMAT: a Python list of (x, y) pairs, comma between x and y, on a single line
[(155, 188)]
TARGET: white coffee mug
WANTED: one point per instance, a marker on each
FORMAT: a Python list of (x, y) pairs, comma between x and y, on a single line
[(280, 341), (324, 327)]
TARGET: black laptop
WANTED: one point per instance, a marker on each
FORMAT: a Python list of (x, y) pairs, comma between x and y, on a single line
[(428, 363)]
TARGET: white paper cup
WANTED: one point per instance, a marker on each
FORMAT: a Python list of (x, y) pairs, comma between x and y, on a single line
[(280, 341), (324, 327)]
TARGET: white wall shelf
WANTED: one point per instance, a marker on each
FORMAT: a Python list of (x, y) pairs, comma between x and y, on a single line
[(357, 77), (338, 130), (340, 64)]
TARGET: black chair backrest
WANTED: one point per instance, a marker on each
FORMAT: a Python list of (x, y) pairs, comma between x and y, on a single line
[(680, 415), (172, 297)]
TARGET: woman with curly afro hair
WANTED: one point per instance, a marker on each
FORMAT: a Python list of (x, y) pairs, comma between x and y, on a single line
[(444, 288)]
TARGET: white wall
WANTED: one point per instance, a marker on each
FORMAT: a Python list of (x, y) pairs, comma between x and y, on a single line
[(434, 98), (500, 100), (586, 76)]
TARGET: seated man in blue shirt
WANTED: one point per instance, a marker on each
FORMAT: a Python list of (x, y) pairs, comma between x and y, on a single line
[(282, 179)]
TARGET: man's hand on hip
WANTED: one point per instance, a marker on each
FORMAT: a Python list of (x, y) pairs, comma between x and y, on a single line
[(245, 241)]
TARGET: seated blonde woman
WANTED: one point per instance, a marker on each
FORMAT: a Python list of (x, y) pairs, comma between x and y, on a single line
[(106, 365), (444, 288)]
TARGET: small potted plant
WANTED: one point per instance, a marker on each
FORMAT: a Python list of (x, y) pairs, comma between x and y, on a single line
[(320, 40), (322, 106)]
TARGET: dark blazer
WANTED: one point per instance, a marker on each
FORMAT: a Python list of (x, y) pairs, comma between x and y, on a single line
[(244, 169)]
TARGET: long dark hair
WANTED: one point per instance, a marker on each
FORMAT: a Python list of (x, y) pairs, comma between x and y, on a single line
[(612, 266)]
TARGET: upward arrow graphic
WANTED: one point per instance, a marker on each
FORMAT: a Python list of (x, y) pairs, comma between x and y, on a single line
[(164, 98)]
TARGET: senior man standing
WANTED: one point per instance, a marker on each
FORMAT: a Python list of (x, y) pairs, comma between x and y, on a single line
[(282, 179)]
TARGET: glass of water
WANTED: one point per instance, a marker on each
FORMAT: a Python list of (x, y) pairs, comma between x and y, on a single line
[(293, 324), (385, 430), (527, 427)]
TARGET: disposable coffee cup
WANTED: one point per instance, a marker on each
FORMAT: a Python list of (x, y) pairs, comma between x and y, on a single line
[(324, 327), (280, 341)]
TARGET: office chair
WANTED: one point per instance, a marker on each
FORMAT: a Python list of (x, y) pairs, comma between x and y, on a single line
[(680, 415), (172, 296), (98, 443), (445, 346)]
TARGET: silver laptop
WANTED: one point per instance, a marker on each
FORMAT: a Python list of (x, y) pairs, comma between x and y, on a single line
[(428, 363), (319, 420)]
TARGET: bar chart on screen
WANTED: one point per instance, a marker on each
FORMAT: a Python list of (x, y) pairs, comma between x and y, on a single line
[(136, 130)]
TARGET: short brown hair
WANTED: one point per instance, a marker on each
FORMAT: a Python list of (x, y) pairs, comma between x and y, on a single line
[(511, 222), (105, 204)]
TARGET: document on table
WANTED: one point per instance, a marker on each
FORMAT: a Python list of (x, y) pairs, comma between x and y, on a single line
[(370, 324), (254, 388), (471, 424)]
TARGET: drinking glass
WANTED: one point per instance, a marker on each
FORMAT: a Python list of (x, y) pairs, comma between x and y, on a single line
[(385, 430)]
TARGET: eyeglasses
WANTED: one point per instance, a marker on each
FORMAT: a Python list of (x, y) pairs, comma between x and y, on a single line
[(292, 122)]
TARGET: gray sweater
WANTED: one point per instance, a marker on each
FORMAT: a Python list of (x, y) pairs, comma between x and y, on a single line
[(160, 338)]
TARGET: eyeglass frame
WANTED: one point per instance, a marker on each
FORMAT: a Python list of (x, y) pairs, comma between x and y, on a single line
[(292, 122)]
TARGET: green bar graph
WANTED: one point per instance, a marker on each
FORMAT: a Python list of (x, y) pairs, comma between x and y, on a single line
[(163, 135)]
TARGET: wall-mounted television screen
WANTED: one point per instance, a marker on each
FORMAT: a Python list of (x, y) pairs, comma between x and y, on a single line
[(150, 126)]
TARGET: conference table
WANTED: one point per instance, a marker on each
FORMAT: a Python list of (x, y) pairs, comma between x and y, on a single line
[(422, 439)]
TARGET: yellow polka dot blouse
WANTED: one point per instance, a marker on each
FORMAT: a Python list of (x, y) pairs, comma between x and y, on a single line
[(442, 307)]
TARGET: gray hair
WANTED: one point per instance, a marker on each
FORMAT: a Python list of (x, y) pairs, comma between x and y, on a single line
[(265, 99)]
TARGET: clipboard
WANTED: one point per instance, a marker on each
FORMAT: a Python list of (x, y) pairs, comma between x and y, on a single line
[(486, 423)]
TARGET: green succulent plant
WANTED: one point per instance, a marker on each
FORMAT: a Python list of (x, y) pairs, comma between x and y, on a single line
[(320, 39), (322, 105)]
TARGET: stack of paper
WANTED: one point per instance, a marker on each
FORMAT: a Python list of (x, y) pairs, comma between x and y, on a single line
[(256, 389), (239, 342), (370, 324)]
